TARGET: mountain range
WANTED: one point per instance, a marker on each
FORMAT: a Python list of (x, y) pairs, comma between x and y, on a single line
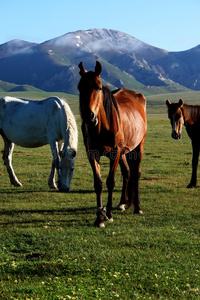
[(126, 61)]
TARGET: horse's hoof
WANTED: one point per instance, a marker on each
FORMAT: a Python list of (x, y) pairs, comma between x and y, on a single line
[(139, 212), (102, 225), (53, 186), (17, 184), (121, 207), (99, 224), (190, 186), (108, 219)]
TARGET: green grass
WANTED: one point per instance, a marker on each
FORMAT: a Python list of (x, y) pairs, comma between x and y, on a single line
[(50, 249)]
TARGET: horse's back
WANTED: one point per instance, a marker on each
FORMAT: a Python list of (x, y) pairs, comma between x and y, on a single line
[(130, 101), (15, 106), (126, 97), (29, 123)]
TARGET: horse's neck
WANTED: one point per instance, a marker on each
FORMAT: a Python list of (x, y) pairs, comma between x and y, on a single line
[(191, 114)]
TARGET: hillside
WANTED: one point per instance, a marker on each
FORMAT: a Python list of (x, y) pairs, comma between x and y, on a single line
[(126, 61)]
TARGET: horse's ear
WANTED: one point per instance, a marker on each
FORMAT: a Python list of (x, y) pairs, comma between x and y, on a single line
[(181, 102), (168, 103), (82, 69), (98, 68)]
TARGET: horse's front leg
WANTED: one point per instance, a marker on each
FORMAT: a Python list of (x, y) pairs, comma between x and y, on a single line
[(98, 187), (126, 175), (55, 166), (195, 159), (114, 160), (51, 180), (7, 158)]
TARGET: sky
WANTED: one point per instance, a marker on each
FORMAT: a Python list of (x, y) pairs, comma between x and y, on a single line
[(173, 25)]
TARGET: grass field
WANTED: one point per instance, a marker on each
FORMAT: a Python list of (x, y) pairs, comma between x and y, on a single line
[(49, 248)]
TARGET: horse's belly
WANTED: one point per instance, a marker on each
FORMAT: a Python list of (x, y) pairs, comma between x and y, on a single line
[(29, 142), (133, 135), (26, 136)]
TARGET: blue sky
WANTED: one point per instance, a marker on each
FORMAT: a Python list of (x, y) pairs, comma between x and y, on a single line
[(173, 25)]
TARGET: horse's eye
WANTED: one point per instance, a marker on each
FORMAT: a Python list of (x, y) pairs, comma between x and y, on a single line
[(99, 88)]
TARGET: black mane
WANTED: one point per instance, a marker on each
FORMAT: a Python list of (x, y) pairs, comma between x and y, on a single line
[(109, 103)]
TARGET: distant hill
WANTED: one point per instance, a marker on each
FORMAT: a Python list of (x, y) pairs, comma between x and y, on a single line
[(11, 87), (126, 61)]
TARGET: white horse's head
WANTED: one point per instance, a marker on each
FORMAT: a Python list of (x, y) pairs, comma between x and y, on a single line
[(67, 165)]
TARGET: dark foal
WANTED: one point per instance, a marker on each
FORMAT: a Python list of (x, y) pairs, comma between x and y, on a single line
[(189, 115)]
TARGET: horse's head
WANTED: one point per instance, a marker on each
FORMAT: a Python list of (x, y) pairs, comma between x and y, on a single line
[(90, 87), (67, 164), (175, 115)]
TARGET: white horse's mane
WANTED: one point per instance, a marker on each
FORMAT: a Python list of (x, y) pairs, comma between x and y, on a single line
[(71, 126)]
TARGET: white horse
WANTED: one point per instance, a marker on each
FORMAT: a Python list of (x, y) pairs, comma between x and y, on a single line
[(32, 124)]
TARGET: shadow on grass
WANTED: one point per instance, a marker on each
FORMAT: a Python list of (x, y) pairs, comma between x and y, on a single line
[(60, 216), (17, 191), (68, 216)]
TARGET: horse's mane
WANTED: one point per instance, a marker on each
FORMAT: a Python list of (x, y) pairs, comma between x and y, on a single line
[(71, 125), (109, 103)]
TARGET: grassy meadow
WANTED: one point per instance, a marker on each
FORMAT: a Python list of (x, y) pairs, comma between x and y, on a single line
[(50, 249)]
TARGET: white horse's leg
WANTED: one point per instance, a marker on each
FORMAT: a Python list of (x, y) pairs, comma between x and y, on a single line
[(55, 165), (7, 157), (51, 180)]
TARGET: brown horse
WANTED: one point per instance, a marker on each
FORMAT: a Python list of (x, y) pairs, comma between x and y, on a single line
[(113, 125), (189, 115)]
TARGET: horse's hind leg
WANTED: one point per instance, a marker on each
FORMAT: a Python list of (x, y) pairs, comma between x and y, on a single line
[(126, 174), (134, 159), (7, 158), (195, 159)]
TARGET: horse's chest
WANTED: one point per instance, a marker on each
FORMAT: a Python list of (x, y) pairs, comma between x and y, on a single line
[(100, 141)]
